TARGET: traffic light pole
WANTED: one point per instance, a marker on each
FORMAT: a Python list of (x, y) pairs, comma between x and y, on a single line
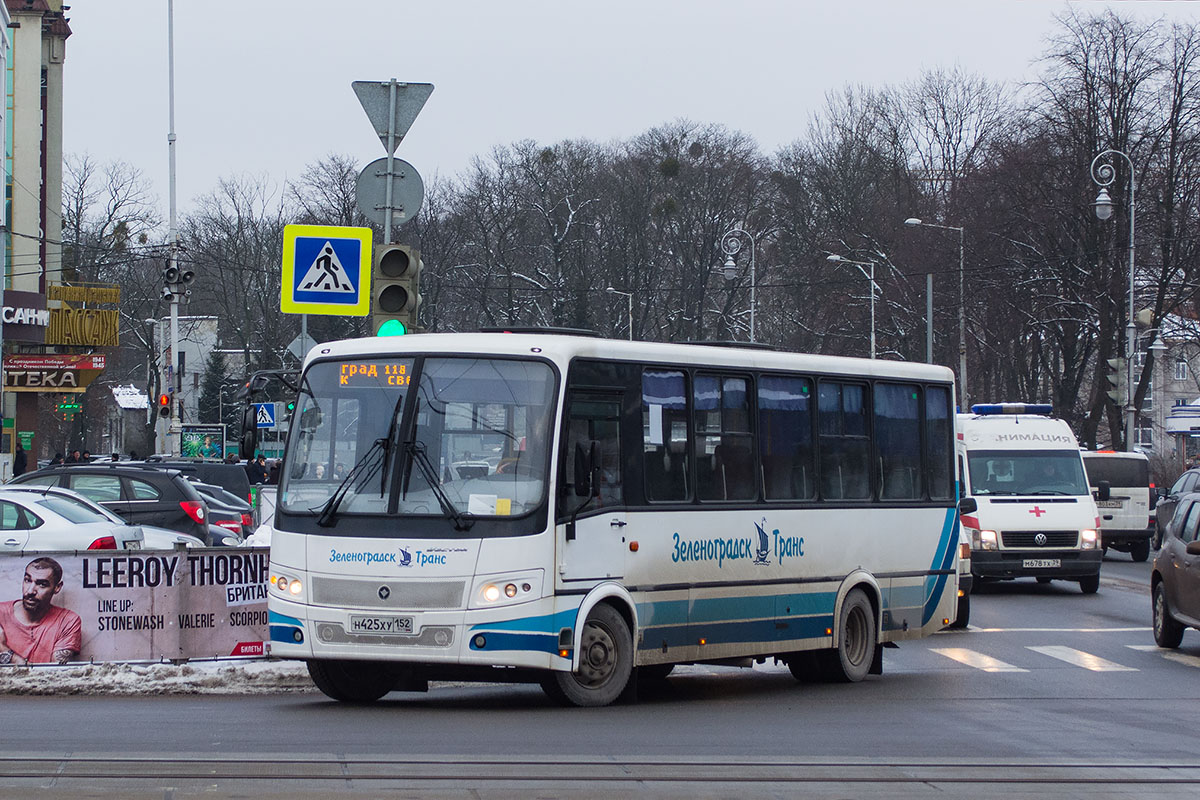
[(173, 235)]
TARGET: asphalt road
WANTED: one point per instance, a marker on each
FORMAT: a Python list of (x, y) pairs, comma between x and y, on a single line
[(1048, 690)]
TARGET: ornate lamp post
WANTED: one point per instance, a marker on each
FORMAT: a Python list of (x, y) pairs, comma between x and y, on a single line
[(730, 245), (1103, 175)]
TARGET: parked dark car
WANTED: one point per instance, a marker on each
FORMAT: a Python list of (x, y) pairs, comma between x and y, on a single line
[(225, 509), (1165, 508), (1175, 579), (138, 493), (230, 477)]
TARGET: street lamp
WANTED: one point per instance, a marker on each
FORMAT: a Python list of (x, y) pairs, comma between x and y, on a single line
[(629, 297), (962, 307), (730, 245), (874, 286), (1103, 176)]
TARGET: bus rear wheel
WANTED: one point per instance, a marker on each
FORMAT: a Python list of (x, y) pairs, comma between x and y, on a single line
[(352, 681), (605, 662), (850, 662)]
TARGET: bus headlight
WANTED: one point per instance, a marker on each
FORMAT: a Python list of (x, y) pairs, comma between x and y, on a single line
[(287, 585), (1090, 539), (507, 589)]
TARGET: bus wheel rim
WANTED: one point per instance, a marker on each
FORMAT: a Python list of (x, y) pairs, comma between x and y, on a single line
[(598, 655)]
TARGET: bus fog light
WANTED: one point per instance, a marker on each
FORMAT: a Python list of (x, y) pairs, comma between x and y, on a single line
[(491, 593)]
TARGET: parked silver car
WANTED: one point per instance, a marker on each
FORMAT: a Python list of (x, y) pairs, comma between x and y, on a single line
[(74, 506), (45, 521)]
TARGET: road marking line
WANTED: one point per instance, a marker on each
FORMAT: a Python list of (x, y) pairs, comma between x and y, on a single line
[(1079, 658), (1169, 655), (976, 660), (1060, 630)]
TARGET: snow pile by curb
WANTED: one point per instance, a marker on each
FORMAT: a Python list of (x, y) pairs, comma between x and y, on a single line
[(196, 677)]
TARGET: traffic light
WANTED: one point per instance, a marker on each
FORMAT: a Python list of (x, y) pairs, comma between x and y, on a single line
[(1116, 380), (395, 290), (164, 404)]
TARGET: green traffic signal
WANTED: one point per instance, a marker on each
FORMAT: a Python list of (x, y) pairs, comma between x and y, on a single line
[(392, 327)]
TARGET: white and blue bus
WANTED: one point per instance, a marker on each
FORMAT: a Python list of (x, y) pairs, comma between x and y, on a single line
[(587, 513)]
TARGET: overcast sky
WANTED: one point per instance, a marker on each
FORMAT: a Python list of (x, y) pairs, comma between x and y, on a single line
[(263, 86)]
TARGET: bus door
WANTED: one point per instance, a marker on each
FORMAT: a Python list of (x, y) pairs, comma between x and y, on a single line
[(595, 548)]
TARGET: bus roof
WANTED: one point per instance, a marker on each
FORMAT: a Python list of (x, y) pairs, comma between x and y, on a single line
[(561, 349)]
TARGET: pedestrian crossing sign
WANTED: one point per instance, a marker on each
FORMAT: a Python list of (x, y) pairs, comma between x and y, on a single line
[(264, 415), (326, 270)]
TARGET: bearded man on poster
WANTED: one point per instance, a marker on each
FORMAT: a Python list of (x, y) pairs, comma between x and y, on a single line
[(33, 630)]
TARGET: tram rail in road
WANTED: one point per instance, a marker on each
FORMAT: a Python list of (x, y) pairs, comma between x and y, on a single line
[(303, 776)]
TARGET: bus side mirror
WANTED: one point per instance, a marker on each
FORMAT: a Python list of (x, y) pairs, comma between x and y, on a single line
[(967, 505), (1103, 491), (248, 442), (583, 472)]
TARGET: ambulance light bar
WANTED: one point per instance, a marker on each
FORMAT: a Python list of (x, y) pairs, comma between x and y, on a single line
[(985, 409)]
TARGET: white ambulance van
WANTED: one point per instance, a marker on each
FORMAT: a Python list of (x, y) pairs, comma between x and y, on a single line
[(1034, 513)]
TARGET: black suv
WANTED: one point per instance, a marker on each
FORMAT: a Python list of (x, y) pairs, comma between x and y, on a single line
[(230, 477), (138, 493)]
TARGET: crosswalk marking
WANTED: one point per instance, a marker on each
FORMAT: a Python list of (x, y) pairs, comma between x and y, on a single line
[(977, 660), (1079, 658), (1169, 655)]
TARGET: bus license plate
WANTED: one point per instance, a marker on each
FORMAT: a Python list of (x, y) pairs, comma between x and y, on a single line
[(1109, 504), (1042, 563), (383, 625)]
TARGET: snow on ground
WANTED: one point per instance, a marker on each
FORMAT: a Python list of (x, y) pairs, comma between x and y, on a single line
[(194, 677), (240, 676)]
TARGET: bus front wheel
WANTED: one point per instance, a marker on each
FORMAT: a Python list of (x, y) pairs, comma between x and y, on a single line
[(605, 662), (352, 681), (851, 661)]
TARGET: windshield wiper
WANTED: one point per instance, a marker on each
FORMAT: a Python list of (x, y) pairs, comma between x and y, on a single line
[(328, 517), (416, 451)]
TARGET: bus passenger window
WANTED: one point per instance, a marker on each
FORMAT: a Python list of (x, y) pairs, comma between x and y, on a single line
[(724, 454), (665, 435), (785, 439), (845, 448), (898, 441), (939, 435)]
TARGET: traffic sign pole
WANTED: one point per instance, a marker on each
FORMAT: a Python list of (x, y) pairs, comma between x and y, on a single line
[(391, 175)]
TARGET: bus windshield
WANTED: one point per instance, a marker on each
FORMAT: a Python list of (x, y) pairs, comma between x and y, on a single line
[(344, 411), (476, 441), (1027, 472)]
